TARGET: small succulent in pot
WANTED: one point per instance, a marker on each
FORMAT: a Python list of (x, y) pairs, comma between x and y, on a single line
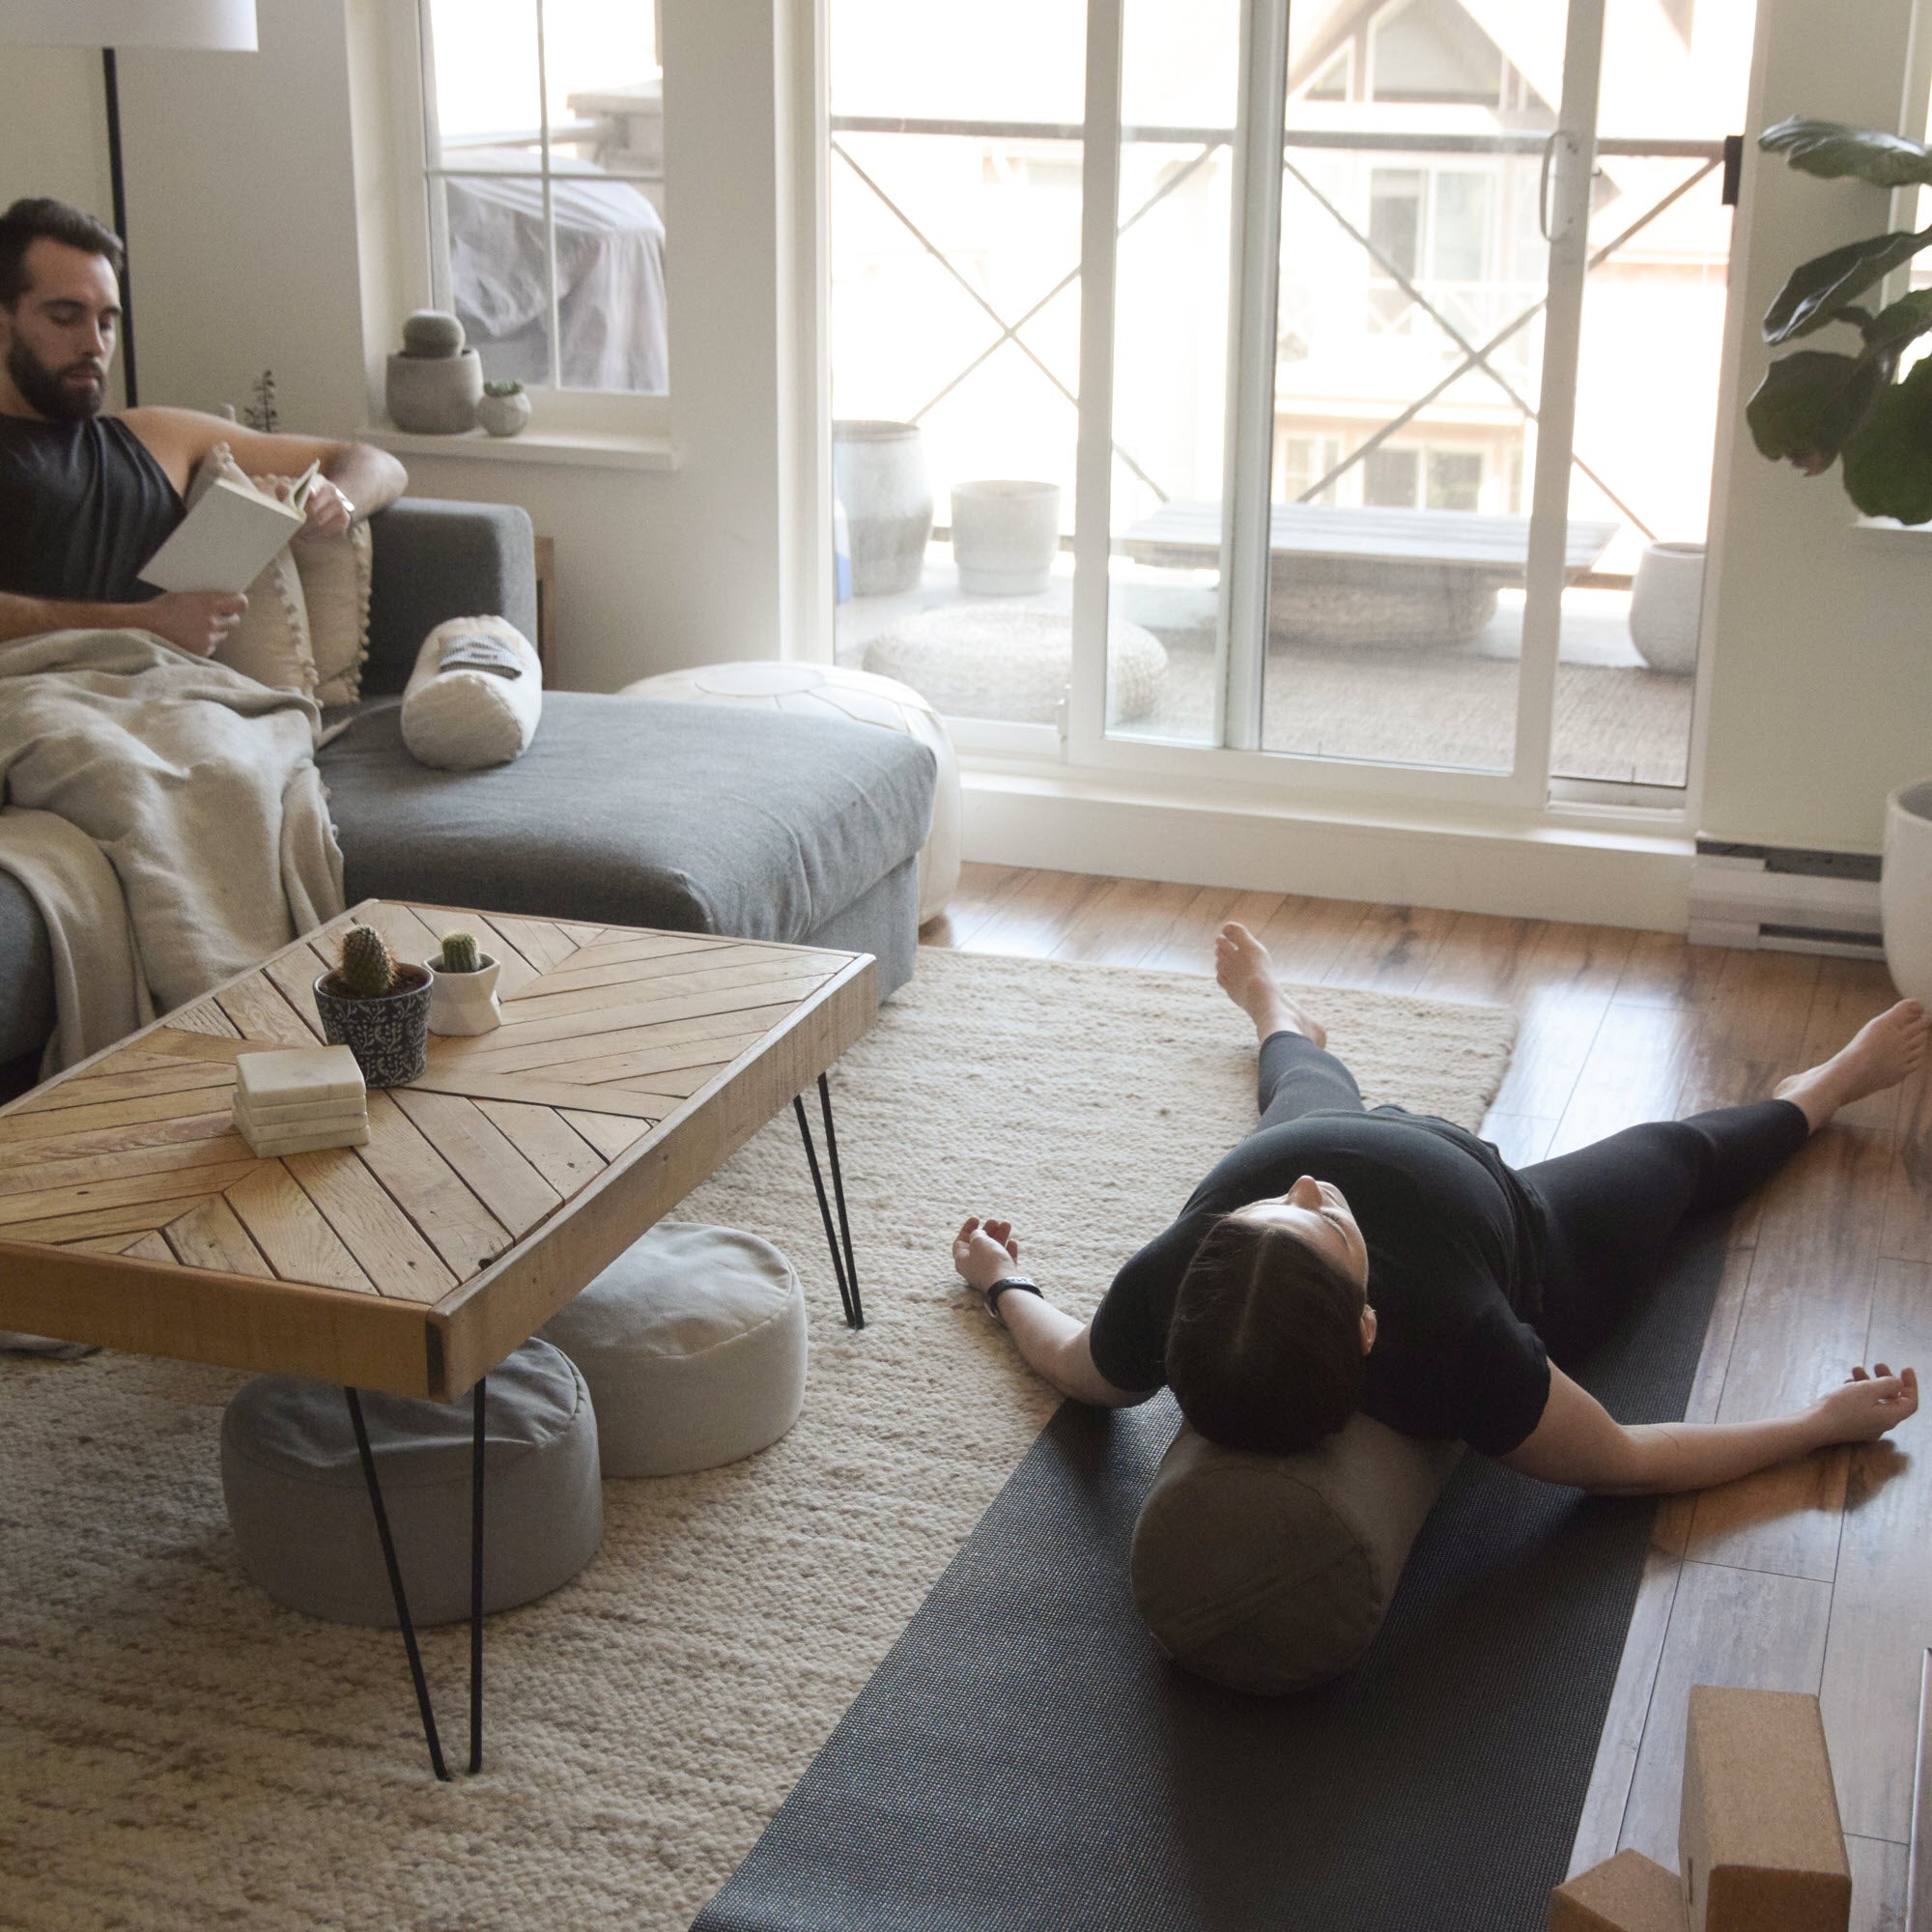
[(375, 1007), (504, 409), (459, 953), (462, 998)]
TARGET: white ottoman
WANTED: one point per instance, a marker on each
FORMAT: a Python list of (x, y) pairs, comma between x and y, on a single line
[(833, 692), (303, 1528), (693, 1343), (991, 661)]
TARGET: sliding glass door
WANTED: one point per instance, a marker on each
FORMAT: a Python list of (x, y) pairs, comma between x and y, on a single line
[(1366, 351)]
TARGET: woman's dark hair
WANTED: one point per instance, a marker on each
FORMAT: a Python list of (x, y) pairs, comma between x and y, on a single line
[(39, 219), (1264, 1351)]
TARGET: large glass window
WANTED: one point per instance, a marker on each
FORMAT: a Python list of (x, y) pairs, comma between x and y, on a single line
[(1388, 436), (544, 162)]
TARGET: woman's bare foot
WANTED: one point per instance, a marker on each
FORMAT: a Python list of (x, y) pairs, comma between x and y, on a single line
[(1880, 1054), (1246, 973)]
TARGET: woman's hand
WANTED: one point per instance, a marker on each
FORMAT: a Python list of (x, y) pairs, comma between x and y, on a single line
[(985, 1252), (1867, 1406)]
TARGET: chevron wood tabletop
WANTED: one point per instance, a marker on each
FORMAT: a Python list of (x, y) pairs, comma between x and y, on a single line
[(630, 1063)]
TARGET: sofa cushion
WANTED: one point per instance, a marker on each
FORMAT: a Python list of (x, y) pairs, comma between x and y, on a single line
[(26, 973), (638, 813)]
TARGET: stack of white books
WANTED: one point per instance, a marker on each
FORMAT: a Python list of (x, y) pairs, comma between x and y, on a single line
[(295, 1099)]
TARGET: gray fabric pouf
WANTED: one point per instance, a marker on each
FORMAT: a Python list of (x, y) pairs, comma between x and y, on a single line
[(693, 1341), (301, 1512)]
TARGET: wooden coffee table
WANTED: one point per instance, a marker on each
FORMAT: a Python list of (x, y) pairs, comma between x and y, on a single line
[(630, 1065)]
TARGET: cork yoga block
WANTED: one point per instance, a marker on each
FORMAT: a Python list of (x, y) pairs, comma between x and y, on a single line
[(1760, 1839), (1627, 1893)]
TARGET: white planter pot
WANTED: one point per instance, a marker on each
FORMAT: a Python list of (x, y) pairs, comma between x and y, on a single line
[(504, 416), (1004, 536), (1905, 890), (1666, 599), (878, 470), (464, 1003)]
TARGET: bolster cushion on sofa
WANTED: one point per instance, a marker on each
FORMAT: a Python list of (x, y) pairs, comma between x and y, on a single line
[(627, 813)]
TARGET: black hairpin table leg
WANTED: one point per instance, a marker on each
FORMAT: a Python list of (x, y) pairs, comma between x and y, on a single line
[(476, 1585), (843, 1265), (396, 1584)]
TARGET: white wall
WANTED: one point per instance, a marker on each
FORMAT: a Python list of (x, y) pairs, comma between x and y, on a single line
[(1819, 634), (53, 128)]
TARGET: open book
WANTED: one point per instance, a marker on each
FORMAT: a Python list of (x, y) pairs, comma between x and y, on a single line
[(227, 539)]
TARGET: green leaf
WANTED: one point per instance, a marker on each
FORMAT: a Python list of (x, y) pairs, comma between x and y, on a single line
[(1826, 283), (1889, 461), (1810, 403), (1904, 321), (1832, 149)]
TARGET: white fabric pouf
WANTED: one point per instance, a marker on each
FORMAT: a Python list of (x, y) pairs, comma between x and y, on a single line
[(832, 691), (991, 661), (306, 1532), (693, 1343)]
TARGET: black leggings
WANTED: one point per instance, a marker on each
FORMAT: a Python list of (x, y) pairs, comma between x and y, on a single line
[(1610, 1209)]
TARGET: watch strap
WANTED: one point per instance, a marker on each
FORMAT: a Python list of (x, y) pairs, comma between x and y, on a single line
[(1025, 1283)]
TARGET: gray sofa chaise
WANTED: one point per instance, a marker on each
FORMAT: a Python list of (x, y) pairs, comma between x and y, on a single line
[(623, 811)]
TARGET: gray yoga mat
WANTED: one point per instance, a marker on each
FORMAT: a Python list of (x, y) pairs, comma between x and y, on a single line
[(1025, 1757)]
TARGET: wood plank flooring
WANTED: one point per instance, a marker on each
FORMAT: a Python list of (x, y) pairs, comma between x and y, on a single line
[(1813, 1576)]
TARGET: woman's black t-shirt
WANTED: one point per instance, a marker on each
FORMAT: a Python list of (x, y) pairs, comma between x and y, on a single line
[(1455, 1247)]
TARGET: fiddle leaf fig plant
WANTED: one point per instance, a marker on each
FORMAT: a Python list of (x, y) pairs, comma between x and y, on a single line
[(1817, 405)]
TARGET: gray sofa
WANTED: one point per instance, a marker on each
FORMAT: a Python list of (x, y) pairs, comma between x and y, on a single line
[(623, 811)]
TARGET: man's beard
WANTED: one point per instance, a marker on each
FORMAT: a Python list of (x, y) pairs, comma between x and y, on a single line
[(44, 390)]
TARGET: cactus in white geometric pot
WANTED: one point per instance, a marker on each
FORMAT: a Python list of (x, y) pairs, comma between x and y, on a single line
[(463, 987)]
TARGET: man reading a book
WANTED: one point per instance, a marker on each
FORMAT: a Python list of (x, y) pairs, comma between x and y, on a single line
[(87, 498)]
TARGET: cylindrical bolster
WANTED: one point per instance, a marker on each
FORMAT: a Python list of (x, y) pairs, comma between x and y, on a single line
[(1270, 1574)]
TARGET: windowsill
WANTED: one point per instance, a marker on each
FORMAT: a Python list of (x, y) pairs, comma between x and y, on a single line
[(1886, 529), (570, 448)]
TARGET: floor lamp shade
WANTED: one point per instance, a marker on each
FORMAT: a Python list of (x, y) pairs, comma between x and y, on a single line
[(210, 25)]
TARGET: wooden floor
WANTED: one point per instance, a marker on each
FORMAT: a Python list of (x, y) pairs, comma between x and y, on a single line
[(1814, 1577)]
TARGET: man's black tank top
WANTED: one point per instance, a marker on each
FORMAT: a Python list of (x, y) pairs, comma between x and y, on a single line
[(83, 506)]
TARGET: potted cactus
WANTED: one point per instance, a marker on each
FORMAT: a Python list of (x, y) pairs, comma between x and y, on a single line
[(377, 1008), (504, 409), (463, 987)]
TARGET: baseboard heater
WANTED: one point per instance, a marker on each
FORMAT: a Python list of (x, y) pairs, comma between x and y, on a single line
[(1784, 898)]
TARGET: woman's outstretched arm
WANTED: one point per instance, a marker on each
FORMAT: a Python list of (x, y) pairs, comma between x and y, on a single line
[(1050, 1341), (1578, 1442)]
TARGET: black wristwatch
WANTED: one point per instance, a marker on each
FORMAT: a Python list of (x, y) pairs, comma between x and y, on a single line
[(999, 1288)]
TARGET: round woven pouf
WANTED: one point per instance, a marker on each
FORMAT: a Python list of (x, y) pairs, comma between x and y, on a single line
[(991, 661), (831, 690), (693, 1341), (304, 1527)]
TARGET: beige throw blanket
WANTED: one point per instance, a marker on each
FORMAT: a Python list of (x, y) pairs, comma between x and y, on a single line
[(165, 815)]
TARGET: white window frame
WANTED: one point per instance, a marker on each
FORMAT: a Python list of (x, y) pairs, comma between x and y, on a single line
[(423, 252)]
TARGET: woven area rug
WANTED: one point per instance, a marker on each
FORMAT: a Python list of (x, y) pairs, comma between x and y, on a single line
[(176, 1751)]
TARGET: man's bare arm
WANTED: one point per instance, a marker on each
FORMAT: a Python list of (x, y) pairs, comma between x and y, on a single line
[(369, 478), (194, 621)]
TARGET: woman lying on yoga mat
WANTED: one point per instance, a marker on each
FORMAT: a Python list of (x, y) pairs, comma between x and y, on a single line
[(1341, 1259)]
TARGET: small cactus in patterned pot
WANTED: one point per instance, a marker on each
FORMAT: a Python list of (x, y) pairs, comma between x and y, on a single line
[(459, 953), (377, 1009)]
